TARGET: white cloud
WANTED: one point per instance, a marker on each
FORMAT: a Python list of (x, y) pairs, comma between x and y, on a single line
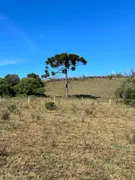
[(7, 62)]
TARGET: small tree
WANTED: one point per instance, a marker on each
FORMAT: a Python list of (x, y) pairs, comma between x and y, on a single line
[(5, 88), (32, 85), (35, 76), (63, 63), (12, 79)]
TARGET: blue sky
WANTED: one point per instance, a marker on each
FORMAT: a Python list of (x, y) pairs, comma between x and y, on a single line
[(102, 31)]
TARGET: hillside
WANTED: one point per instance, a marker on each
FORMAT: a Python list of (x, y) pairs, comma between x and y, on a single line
[(97, 87), (91, 140)]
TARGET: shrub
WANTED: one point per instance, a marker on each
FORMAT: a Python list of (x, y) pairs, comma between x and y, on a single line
[(11, 107), (30, 86), (5, 115), (132, 103), (127, 90), (5, 88), (50, 105), (118, 93), (33, 75), (12, 79)]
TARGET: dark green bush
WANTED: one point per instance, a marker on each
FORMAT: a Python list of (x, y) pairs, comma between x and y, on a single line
[(11, 85), (50, 105), (30, 86), (35, 76), (12, 79), (132, 103), (5, 88)]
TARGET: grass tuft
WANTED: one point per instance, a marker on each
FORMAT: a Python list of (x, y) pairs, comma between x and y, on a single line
[(5, 115)]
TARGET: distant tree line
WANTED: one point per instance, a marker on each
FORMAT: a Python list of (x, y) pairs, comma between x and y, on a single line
[(111, 76), (12, 85)]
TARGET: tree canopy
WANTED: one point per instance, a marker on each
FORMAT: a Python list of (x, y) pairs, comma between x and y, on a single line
[(11, 85), (5, 88), (63, 62), (29, 86), (12, 79)]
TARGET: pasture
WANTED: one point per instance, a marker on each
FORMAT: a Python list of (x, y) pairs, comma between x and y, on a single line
[(93, 140)]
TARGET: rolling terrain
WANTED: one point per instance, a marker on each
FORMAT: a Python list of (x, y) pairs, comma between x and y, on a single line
[(92, 140)]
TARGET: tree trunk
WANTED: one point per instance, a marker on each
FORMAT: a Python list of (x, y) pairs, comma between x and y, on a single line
[(66, 77)]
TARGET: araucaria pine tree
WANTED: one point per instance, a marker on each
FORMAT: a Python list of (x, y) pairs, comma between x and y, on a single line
[(62, 63)]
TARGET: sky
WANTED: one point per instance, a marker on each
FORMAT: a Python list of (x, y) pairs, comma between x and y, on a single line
[(101, 31)]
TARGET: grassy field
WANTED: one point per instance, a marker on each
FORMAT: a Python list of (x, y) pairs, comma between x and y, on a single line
[(90, 141), (103, 88)]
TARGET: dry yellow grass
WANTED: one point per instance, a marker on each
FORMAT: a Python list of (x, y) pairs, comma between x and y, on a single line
[(104, 88), (93, 140)]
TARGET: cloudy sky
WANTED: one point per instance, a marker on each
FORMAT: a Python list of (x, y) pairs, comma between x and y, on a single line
[(102, 31)]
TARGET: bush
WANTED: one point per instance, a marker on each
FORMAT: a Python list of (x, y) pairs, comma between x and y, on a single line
[(11, 107), (5, 115), (118, 93), (30, 86), (50, 105), (5, 88), (127, 90), (12, 79), (35, 76), (11, 85), (132, 103)]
